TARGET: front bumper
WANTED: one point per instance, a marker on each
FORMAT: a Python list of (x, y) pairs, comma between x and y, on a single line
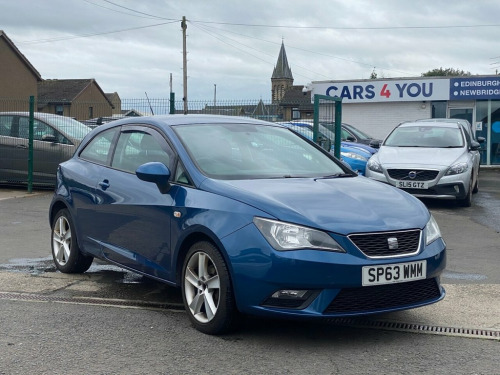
[(333, 280), (442, 187)]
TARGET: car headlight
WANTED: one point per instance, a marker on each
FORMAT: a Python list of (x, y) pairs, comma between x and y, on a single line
[(353, 155), (285, 236), (457, 169), (432, 231), (374, 166)]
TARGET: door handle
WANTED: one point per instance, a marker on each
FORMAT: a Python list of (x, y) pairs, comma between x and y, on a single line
[(104, 184)]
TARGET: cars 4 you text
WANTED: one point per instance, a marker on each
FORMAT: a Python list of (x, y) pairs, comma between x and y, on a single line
[(406, 90)]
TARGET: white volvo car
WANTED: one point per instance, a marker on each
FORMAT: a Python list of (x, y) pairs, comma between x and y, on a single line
[(429, 160)]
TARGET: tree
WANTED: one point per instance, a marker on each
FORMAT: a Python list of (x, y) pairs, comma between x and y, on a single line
[(440, 72), (374, 74)]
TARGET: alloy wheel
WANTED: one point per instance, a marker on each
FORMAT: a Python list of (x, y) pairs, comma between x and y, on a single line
[(61, 240), (202, 287)]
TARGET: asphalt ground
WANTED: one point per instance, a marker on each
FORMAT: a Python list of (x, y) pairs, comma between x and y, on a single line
[(472, 281)]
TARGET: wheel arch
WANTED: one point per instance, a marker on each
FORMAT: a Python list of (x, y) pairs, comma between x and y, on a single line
[(201, 234)]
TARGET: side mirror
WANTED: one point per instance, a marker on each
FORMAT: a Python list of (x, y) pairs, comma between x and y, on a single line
[(474, 146), (157, 173), (481, 139), (49, 138), (350, 138), (375, 143)]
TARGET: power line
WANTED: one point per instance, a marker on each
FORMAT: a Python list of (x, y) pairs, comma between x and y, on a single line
[(347, 28), (135, 11), (58, 39), (309, 51), (117, 11), (204, 28)]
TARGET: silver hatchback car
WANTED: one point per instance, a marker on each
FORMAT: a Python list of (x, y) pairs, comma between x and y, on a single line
[(434, 159), (55, 139)]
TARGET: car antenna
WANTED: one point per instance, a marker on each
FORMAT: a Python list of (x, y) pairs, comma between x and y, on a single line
[(151, 108)]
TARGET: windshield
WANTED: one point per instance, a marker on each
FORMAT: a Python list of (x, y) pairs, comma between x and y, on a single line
[(425, 136), (358, 133), (249, 151), (67, 125)]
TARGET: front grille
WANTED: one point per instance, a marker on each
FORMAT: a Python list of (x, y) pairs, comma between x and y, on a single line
[(373, 298), (377, 244), (420, 174)]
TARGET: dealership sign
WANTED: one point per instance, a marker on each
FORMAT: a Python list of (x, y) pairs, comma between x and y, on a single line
[(407, 90), (475, 88), (385, 91)]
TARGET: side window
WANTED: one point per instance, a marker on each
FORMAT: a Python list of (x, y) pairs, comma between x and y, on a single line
[(24, 127), (181, 175), (6, 125), (344, 135), (467, 136), (99, 149), (135, 148)]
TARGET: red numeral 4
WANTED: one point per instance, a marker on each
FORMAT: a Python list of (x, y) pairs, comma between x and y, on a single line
[(385, 92)]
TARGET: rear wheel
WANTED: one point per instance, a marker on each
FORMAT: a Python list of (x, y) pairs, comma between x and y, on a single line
[(207, 290), (65, 251)]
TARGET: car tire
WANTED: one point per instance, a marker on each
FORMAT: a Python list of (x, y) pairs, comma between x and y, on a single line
[(476, 185), (467, 201), (65, 250), (207, 290)]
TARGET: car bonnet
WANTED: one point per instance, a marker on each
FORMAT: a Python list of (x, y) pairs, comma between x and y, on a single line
[(341, 205), (419, 156)]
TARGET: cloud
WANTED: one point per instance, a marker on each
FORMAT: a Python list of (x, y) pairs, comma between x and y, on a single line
[(324, 41)]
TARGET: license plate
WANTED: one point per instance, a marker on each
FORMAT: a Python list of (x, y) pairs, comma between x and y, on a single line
[(394, 273), (412, 184)]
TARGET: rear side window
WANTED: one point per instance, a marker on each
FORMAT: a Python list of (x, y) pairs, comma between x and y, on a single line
[(99, 149), (135, 148), (6, 125)]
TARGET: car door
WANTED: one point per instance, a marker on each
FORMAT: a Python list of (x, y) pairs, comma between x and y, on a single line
[(50, 148), (13, 154), (134, 216)]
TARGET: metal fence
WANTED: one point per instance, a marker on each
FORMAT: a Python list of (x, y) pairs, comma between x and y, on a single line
[(54, 140)]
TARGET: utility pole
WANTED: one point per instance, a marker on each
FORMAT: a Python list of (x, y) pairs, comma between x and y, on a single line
[(184, 63)]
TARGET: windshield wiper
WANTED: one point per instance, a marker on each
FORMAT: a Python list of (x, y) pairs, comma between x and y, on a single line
[(336, 175)]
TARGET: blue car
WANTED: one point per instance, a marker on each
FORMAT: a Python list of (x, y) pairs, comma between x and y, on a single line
[(245, 217), (356, 155)]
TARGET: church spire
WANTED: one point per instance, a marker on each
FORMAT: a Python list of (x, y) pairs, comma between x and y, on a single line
[(282, 70)]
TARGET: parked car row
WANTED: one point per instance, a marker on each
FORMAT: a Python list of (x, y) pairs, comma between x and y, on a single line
[(356, 155)]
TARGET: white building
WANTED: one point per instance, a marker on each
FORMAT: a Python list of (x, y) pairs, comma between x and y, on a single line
[(376, 106)]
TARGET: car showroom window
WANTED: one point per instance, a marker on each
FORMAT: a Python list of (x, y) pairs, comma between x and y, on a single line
[(98, 149), (135, 148)]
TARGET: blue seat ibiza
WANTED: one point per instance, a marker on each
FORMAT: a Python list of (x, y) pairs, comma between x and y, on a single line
[(246, 217)]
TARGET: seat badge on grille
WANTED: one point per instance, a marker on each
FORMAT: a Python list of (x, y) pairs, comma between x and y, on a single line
[(393, 243)]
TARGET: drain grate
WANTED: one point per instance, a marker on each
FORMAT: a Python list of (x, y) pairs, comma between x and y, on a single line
[(91, 301), (347, 322), (419, 328)]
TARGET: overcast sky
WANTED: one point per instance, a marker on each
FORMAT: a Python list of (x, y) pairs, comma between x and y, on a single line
[(131, 47)]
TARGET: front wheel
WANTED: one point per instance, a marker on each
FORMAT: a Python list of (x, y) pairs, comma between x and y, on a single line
[(467, 201), (65, 251), (207, 291)]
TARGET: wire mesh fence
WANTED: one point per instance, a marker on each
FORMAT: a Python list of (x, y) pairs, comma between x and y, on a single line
[(58, 126)]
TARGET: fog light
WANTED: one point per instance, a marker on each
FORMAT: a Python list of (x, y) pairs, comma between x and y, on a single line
[(287, 293), (457, 188)]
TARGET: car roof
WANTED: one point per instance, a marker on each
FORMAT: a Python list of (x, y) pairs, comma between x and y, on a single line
[(37, 115), (459, 120), (430, 124), (171, 120)]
